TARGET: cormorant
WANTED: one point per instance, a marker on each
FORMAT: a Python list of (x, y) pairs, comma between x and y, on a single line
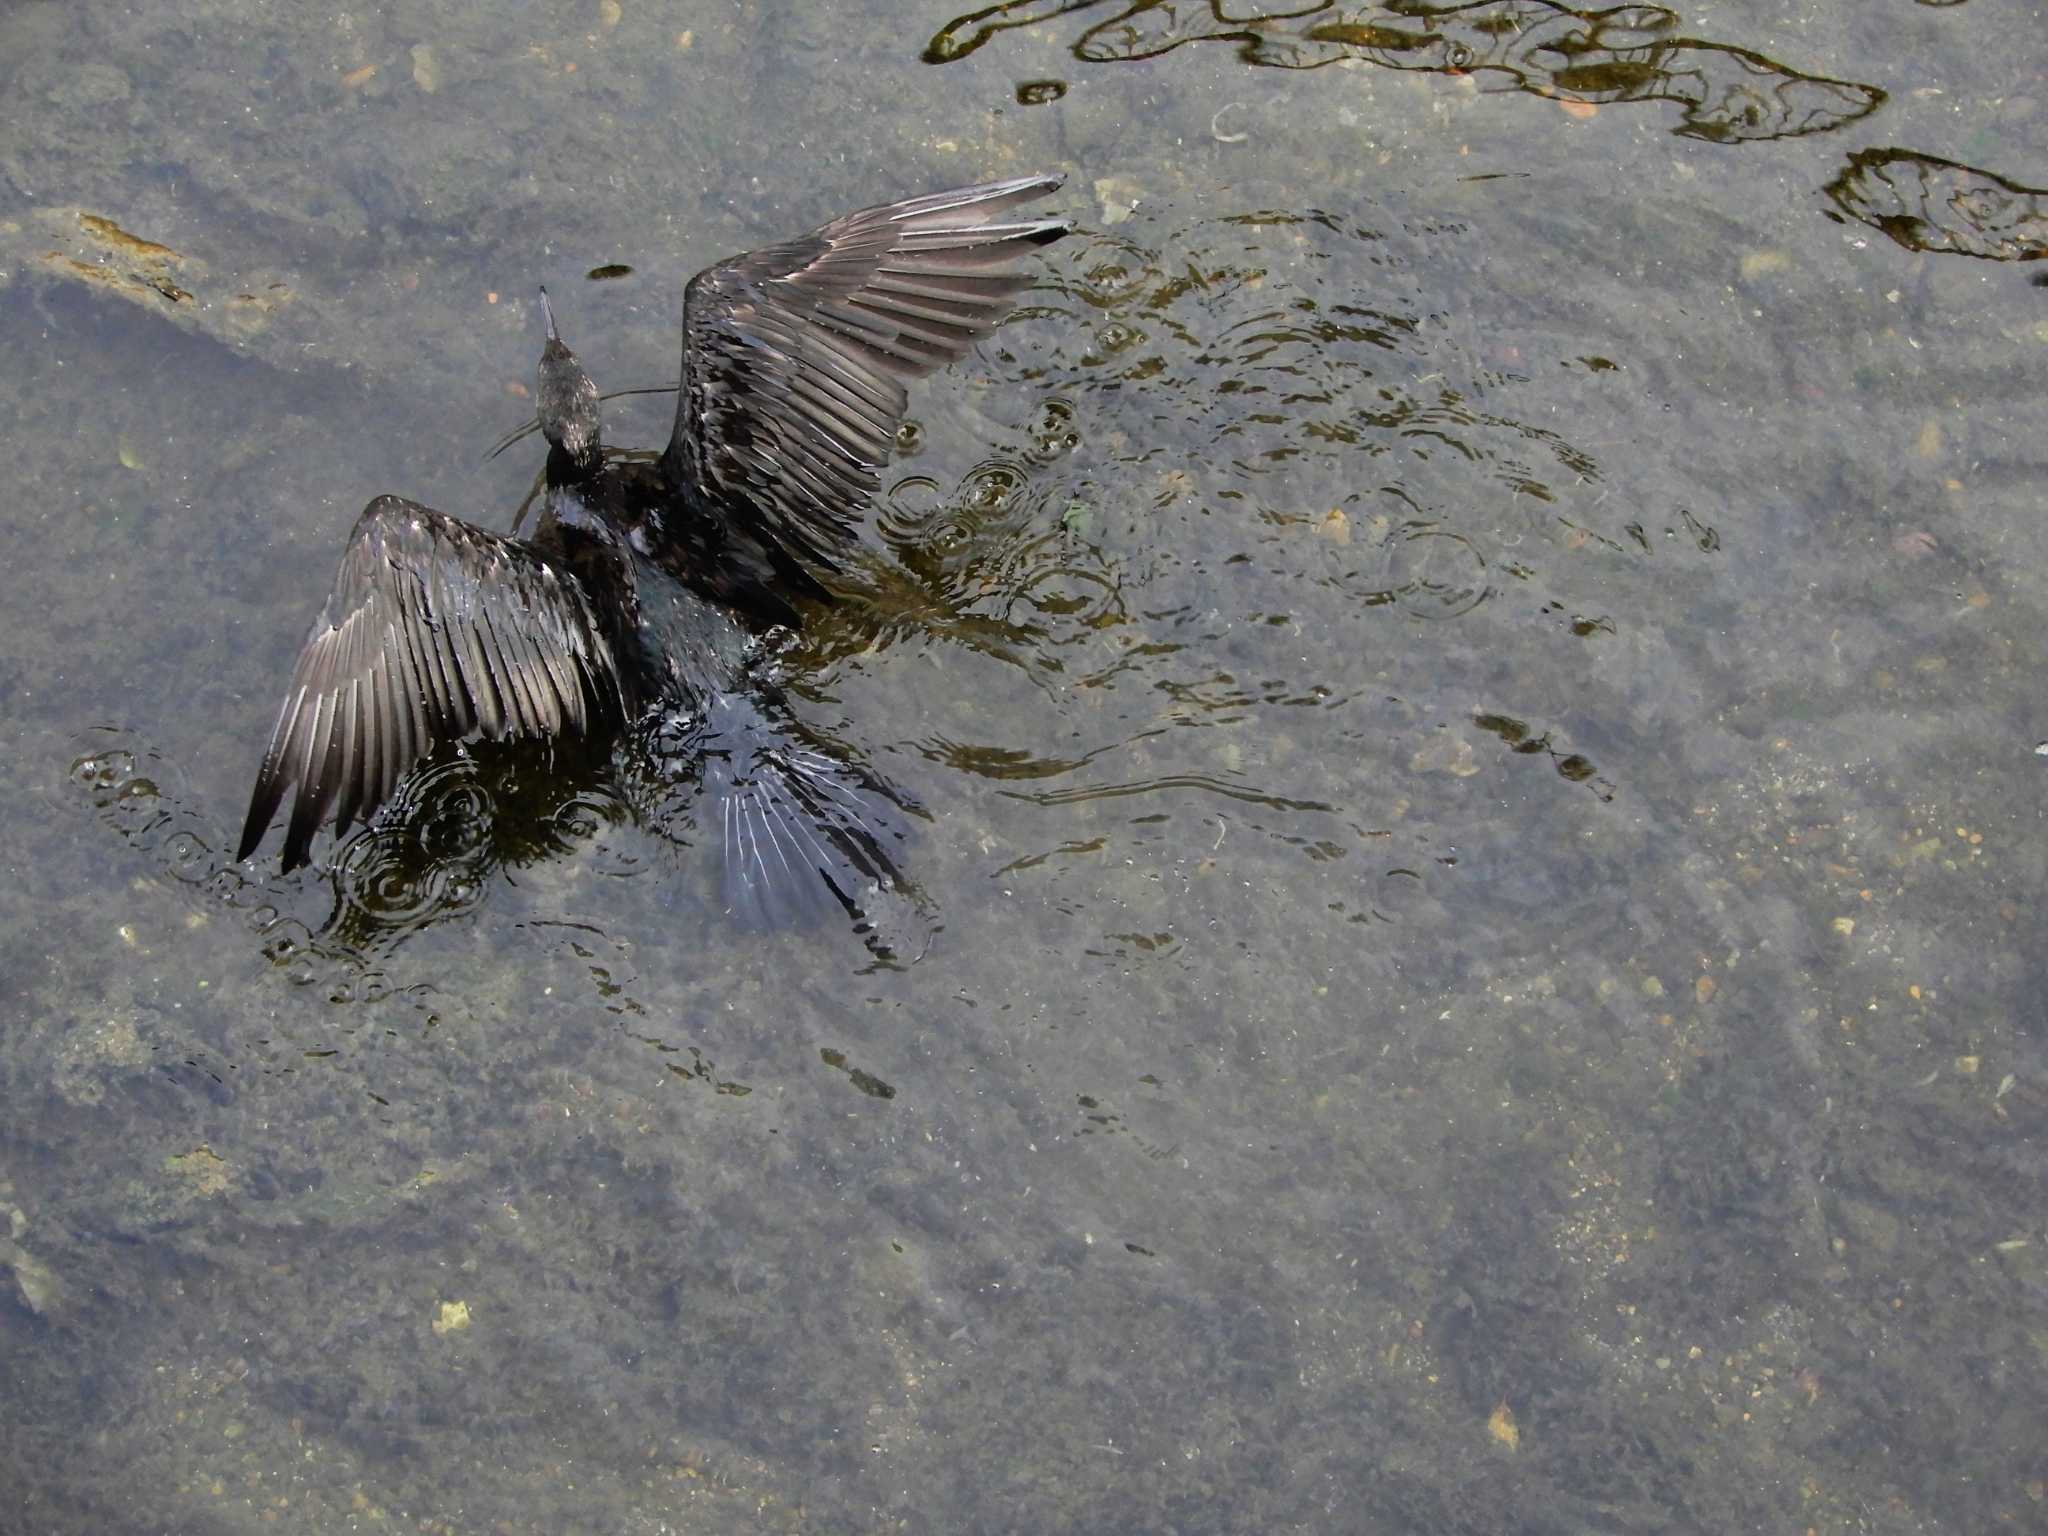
[(650, 595)]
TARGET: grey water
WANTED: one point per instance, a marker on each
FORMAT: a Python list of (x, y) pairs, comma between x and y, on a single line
[(1470, 667)]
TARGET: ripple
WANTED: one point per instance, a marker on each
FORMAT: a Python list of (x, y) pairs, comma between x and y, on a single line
[(940, 541), (1172, 565), (1249, 794), (1104, 271), (1929, 204), (1542, 48), (584, 817), (451, 813), (125, 785), (988, 487), (1432, 572), (124, 791), (1053, 431), (387, 887), (1062, 590), (433, 854), (907, 508)]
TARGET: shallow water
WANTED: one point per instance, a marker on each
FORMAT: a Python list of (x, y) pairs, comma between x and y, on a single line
[(1468, 663)]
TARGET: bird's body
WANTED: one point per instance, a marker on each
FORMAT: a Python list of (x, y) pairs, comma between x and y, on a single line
[(648, 597), (703, 705)]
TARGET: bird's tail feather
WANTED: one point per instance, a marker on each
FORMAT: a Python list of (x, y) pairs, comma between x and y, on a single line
[(804, 832)]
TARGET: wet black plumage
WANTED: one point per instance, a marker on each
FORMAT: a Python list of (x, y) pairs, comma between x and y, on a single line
[(795, 359), (800, 824), (644, 594)]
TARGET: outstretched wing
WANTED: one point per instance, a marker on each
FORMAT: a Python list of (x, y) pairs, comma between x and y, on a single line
[(795, 356), (435, 630)]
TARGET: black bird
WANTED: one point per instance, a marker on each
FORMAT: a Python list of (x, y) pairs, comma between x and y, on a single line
[(650, 594), (799, 821)]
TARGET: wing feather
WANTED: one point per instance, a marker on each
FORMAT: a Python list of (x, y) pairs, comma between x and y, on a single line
[(349, 795), (795, 356), (435, 630)]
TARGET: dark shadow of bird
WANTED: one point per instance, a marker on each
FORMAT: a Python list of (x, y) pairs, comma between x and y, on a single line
[(651, 603)]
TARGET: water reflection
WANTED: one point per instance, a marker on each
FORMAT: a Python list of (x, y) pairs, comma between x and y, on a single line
[(464, 823), (1930, 204), (1612, 1128), (460, 830), (1627, 53), (140, 796), (1250, 439), (1239, 444), (1522, 738), (459, 823)]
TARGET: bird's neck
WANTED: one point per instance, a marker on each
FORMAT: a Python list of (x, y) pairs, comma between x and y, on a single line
[(568, 469)]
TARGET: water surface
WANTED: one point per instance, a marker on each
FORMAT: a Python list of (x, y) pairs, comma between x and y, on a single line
[(1470, 666)]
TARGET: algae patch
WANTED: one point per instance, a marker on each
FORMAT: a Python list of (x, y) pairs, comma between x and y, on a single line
[(75, 245), (202, 1170), (106, 255)]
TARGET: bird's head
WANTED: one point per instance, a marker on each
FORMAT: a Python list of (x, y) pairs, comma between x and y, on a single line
[(567, 409)]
